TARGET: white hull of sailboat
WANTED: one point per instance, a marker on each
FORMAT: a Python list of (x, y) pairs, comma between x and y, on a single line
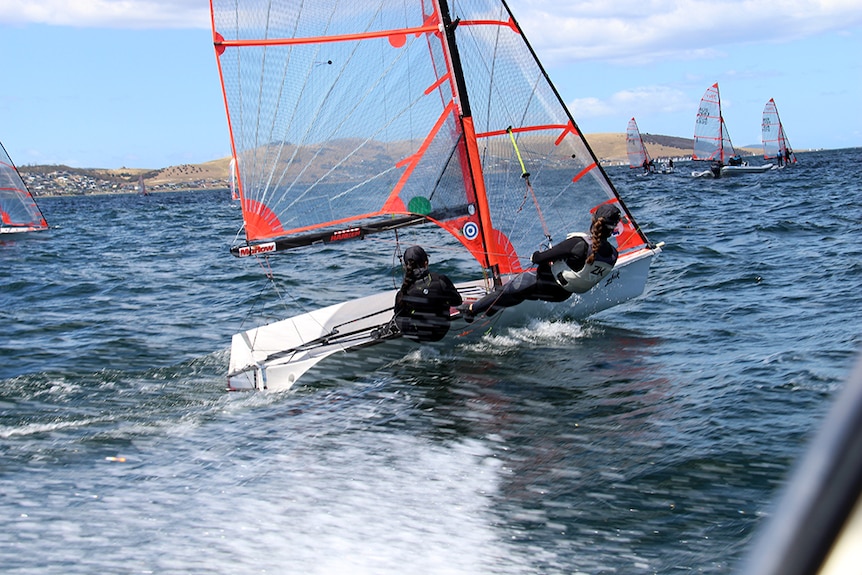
[(19, 229), (727, 171), (736, 170), (274, 357)]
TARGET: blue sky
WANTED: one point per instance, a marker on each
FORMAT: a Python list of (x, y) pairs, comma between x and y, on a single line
[(126, 83)]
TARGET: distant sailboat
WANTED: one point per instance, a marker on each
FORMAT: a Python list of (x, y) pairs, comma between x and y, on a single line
[(635, 148), (142, 187), (234, 193), (18, 209), (712, 141), (638, 155), (775, 144)]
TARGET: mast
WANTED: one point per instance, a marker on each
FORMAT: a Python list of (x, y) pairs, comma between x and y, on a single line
[(474, 164), (721, 129)]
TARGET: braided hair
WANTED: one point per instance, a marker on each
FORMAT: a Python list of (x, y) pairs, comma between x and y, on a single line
[(599, 233)]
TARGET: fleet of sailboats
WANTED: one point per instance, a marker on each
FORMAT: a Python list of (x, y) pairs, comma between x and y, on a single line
[(18, 209), (347, 122), (712, 141)]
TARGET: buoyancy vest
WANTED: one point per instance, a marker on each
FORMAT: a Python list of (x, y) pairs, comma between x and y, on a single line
[(584, 279)]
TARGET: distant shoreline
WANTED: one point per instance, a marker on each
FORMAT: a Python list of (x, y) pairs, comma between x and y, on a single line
[(60, 180)]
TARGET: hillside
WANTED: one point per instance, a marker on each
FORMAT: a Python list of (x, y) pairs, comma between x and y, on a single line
[(64, 180), (611, 148)]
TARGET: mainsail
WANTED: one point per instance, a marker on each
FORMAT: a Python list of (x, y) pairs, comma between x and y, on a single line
[(775, 144), (18, 209), (348, 119), (635, 149), (711, 140)]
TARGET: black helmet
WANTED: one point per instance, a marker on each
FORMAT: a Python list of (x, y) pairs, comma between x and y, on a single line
[(415, 255), (610, 214)]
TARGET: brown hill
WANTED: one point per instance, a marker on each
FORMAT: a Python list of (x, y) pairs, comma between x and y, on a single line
[(610, 148), (187, 173)]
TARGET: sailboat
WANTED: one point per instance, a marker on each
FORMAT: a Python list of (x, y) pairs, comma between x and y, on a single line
[(18, 209), (361, 119), (635, 148), (638, 155), (775, 144), (712, 141), (142, 187), (234, 193)]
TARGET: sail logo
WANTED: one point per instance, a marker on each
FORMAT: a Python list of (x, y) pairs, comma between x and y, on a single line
[(345, 234), (256, 249), (470, 230)]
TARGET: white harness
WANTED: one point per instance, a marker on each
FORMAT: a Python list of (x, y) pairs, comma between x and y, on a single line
[(583, 280)]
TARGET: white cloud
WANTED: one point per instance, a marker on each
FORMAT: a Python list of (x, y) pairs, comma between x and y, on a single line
[(107, 13), (634, 31), (589, 108), (640, 31), (623, 29), (647, 100)]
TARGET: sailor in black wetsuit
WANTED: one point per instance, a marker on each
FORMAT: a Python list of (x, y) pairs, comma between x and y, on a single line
[(574, 265), (422, 305)]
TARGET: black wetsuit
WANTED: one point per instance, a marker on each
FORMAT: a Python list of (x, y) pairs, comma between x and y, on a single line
[(540, 284), (422, 306)]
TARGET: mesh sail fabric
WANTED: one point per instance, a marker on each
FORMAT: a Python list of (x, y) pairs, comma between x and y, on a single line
[(346, 112)]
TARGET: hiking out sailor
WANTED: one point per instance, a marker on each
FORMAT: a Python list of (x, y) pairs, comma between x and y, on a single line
[(574, 265), (422, 305)]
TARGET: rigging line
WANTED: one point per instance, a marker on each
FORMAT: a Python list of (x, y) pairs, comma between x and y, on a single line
[(397, 254), (526, 176)]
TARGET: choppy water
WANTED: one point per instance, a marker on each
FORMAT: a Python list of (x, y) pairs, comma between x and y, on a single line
[(651, 439)]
